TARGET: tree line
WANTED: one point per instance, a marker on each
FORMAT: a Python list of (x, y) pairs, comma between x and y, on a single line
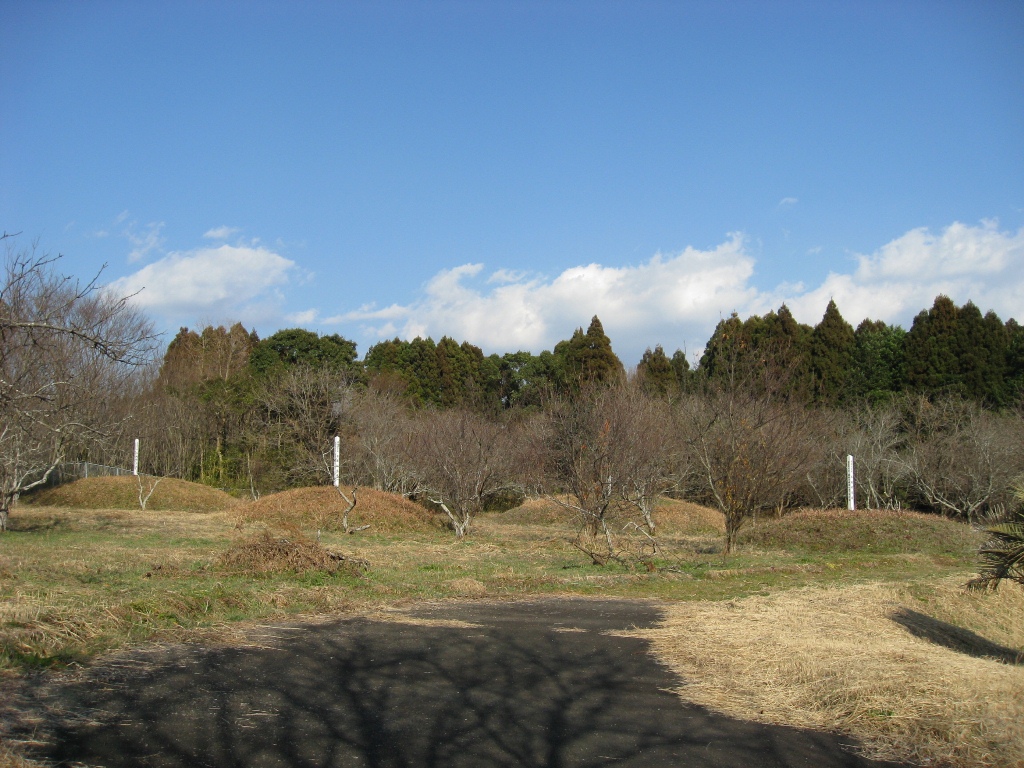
[(761, 424)]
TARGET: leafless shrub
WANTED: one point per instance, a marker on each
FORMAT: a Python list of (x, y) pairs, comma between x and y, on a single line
[(267, 553)]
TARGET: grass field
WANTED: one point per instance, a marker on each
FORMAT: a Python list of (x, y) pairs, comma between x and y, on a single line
[(847, 621)]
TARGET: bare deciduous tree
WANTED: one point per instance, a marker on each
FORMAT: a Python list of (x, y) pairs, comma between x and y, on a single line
[(384, 433), (608, 462), (754, 449), (961, 459), (300, 413), (462, 458), (65, 349)]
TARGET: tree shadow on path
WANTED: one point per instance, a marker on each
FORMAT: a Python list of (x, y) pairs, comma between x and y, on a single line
[(512, 691)]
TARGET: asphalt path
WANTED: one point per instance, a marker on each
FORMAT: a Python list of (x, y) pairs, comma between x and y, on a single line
[(535, 683)]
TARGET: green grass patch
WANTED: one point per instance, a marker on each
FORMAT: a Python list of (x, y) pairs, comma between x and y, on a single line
[(76, 582)]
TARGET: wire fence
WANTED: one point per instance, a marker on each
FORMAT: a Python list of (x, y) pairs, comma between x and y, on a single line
[(76, 470)]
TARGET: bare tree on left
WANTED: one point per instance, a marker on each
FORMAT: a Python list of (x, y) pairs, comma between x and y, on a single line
[(67, 349)]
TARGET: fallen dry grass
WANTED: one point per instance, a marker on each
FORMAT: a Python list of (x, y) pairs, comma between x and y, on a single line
[(322, 507), (265, 552), (123, 493), (924, 674), (671, 516)]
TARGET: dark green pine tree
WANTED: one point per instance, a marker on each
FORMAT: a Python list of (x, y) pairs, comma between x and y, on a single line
[(297, 346), (655, 372), (724, 349), (832, 351)]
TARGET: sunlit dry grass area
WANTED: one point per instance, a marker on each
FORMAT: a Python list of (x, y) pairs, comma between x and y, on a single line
[(843, 621), (924, 673)]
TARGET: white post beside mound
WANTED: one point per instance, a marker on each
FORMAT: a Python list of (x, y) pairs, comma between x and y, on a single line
[(850, 502)]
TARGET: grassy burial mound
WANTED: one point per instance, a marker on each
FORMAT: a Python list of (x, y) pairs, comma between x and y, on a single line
[(864, 530), (322, 507), (672, 516), (122, 492)]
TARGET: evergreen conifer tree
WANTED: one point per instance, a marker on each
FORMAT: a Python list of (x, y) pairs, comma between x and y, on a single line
[(655, 372), (832, 349)]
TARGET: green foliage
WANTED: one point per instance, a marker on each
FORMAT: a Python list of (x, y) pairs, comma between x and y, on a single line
[(832, 351), (956, 350), (878, 369), (681, 369), (445, 374), (296, 346), (587, 358), (1002, 555), (774, 347), (656, 373)]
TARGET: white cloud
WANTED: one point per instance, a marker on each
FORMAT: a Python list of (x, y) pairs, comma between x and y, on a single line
[(220, 233), (667, 299), (305, 317), (677, 299), (786, 202), (225, 283), (977, 263), (145, 242)]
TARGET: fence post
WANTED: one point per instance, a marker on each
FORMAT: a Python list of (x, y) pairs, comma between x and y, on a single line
[(850, 502)]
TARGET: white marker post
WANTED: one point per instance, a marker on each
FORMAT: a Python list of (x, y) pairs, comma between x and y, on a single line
[(135, 462), (337, 460), (850, 503)]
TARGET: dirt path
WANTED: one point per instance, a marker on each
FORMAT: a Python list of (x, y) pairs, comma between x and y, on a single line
[(532, 684)]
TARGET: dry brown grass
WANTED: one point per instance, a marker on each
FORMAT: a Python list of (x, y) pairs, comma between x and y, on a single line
[(671, 516), (123, 493), (684, 518), (924, 674), (539, 511), (266, 552), (322, 508), (9, 759)]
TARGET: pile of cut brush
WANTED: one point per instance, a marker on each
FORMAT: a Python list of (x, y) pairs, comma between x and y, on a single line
[(270, 552)]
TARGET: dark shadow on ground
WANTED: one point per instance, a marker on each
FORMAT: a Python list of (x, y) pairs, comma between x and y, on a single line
[(514, 691), (955, 638)]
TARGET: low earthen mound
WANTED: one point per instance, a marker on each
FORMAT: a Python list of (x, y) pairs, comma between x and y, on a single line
[(170, 494), (864, 530), (685, 518), (671, 516), (322, 508)]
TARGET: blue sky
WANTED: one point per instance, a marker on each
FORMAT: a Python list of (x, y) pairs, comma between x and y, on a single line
[(500, 172)]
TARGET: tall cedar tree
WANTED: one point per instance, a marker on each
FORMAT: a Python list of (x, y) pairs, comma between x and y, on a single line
[(832, 352), (655, 372), (957, 351), (930, 349), (587, 358), (681, 368)]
